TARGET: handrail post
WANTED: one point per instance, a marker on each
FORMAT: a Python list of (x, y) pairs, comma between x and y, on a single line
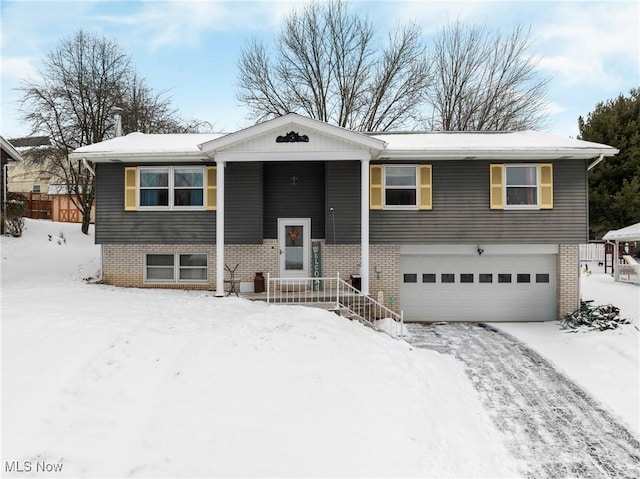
[(268, 283), (338, 290)]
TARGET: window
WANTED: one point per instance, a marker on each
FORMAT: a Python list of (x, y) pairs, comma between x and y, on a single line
[(428, 278), (466, 278), (35, 189), (185, 267), (410, 278), (523, 278), (400, 186), (154, 187), (171, 187), (542, 278), (485, 278), (448, 278), (504, 278), (521, 186)]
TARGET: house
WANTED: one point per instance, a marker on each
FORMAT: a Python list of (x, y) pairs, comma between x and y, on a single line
[(444, 226), (8, 154), (34, 174)]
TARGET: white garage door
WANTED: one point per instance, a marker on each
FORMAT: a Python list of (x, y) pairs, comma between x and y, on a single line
[(478, 288)]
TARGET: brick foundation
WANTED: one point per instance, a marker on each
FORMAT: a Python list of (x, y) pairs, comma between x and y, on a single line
[(123, 264)]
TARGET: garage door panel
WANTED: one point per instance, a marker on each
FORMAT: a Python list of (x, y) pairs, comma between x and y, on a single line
[(528, 297)]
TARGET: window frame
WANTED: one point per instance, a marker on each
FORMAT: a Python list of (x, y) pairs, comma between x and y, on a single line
[(506, 186), (171, 171), (415, 188), (176, 268)]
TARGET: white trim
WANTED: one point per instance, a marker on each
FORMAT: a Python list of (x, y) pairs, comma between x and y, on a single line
[(504, 154), (472, 249), (364, 226), (306, 241), (384, 188), (509, 207), (288, 121), (239, 156), (171, 189), (176, 269), (220, 228)]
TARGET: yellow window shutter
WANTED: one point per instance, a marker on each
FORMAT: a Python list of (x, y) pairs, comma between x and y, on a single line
[(376, 187), (496, 194), (130, 188), (212, 187), (546, 186), (425, 185)]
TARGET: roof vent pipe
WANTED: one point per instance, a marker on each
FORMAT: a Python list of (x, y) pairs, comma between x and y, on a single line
[(117, 120)]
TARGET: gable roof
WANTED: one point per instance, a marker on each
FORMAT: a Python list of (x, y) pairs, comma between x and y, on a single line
[(293, 120)]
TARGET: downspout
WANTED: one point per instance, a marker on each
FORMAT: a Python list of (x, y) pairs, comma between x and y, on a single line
[(595, 163)]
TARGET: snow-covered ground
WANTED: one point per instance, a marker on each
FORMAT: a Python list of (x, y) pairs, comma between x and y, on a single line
[(606, 364), (117, 382)]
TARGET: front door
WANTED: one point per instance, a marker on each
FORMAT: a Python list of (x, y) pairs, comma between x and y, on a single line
[(294, 241)]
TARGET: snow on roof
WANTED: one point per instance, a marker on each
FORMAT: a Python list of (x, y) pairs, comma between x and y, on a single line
[(629, 233), (163, 145), (429, 145), (473, 142)]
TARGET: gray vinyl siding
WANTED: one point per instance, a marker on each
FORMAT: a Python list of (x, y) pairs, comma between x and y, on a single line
[(243, 203), (243, 218), (461, 211), (304, 199), (343, 195)]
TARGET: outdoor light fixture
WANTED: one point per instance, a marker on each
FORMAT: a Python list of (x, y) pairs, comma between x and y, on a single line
[(480, 251)]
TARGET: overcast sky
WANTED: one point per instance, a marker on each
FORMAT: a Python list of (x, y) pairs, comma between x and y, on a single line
[(190, 48)]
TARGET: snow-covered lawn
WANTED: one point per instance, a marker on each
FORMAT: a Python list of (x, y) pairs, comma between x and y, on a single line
[(116, 382)]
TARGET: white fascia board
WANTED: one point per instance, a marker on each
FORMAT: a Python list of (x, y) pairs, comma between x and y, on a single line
[(239, 156), (144, 157), (503, 154), (291, 120)]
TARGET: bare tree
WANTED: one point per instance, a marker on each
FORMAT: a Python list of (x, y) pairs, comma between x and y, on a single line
[(327, 64), (485, 81), (81, 82)]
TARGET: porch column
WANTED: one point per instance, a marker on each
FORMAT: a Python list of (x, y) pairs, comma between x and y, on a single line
[(364, 226), (220, 228)]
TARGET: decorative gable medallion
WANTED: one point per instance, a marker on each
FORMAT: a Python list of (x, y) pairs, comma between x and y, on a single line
[(292, 137)]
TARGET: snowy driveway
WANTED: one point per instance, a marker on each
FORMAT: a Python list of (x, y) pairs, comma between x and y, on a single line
[(552, 427)]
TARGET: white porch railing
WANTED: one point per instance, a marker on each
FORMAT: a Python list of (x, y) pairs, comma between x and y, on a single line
[(338, 296)]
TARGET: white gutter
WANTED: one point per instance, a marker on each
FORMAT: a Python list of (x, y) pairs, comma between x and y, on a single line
[(595, 163)]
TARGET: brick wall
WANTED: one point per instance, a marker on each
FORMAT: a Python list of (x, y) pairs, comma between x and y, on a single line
[(123, 264), (568, 278)]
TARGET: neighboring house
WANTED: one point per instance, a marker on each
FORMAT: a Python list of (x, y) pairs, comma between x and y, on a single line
[(34, 174), (8, 155), (445, 226)]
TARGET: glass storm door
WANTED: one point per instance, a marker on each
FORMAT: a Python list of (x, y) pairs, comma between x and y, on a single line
[(294, 240)]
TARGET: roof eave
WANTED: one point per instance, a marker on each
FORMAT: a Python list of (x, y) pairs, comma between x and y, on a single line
[(139, 157), (499, 154)]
